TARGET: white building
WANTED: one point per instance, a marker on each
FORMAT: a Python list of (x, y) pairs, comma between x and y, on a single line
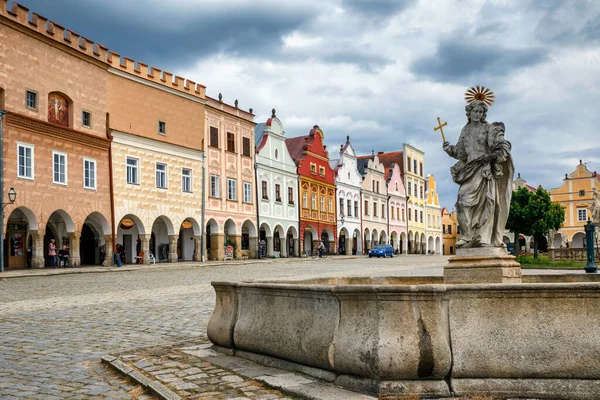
[(348, 182), (277, 184)]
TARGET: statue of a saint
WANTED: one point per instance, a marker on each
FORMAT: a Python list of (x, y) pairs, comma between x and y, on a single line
[(485, 175), (595, 207)]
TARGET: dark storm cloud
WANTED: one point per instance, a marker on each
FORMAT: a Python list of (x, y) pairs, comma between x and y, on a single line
[(377, 8), (457, 59), (202, 32)]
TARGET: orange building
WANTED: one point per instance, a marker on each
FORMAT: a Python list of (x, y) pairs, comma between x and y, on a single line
[(450, 232), (56, 149)]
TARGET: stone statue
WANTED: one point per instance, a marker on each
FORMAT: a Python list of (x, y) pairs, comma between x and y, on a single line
[(485, 175), (595, 207)]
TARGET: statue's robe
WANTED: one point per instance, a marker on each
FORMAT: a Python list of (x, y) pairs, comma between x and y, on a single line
[(485, 189)]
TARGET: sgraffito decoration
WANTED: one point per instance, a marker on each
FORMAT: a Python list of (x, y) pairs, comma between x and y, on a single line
[(58, 109)]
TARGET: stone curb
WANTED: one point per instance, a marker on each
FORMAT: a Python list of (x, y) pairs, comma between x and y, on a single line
[(157, 388)]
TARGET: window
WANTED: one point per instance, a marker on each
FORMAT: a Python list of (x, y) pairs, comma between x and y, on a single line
[(342, 207), (421, 168), (25, 161), (356, 209), (247, 192), (403, 216), (349, 204), (322, 203), (408, 164), (450, 229), (392, 213), (246, 147), (277, 192), (231, 142), (374, 209), (314, 202), (396, 186), (581, 214), (214, 137), (421, 213), (582, 193), (366, 209), (416, 216), (409, 188), (290, 195), (89, 174), (162, 127), (372, 185), (231, 189), (421, 191), (330, 205), (377, 185), (451, 249), (443, 228), (415, 166), (31, 100), (86, 119), (265, 193), (409, 214), (429, 219), (322, 171), (215, 186), (383, 211), (161, 175), (304, 199), (186, 180), (59, 168), (132, 170), (313, 168)]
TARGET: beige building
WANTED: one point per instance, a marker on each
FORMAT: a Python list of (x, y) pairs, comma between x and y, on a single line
[(53, 87), (414, 177), (230, 181)]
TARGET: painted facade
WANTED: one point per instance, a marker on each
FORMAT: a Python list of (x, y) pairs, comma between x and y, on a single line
[(374, 201), (230, 214), (348, 183), (317, 191), (397, 210), (574, 195), (277, 182), (414, 160), (433, 228), (56, 149), (449, 231)]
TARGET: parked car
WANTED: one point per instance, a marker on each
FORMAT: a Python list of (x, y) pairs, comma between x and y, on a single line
[(382, 250)]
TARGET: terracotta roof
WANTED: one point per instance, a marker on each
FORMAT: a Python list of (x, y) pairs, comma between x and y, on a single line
[(531, 188), (296, 147), (388, 159)]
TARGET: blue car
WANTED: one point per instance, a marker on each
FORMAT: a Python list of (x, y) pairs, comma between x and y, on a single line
[(382, 250)]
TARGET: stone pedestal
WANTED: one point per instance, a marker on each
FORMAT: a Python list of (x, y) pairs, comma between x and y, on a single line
[(482, 265)]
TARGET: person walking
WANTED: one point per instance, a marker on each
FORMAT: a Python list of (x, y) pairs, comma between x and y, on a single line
[(52, 253)]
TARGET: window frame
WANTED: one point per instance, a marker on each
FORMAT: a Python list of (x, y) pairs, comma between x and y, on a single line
[(246, 145), (36, 100), (231, 189), (313, 201), (278, 192), (162, 127), (230, 141), (290, 195), (66, 166), (322, 202), (349, 207), (321, 170), (32, 166), (83, 113), (210, 137), (264, 190), (366, 207), (305, 199), (189, 177), (313, 168), (216, 193), (137, 170), (92, 161), (356, 210), (247, 192), (165, 172), (579, 210), (330, 205)]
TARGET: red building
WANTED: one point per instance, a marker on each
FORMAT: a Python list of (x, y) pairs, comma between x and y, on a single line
[(316, 191)]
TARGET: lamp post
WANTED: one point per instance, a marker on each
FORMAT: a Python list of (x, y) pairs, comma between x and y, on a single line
[(12, 196), (589, 238)]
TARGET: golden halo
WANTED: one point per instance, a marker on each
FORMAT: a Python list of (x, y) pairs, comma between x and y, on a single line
[(479, 93)]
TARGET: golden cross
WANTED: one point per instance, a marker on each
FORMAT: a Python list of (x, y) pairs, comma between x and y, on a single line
[(440, 128)]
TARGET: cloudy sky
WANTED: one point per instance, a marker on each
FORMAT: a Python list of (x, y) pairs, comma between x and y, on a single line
[(380, 71)]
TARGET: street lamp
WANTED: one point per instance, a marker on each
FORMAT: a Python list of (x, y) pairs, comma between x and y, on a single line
[(12, 196)]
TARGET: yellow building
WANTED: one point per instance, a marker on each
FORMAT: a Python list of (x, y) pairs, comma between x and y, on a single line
[(433, 210), (450, 230), (414, 178), (574, 195)]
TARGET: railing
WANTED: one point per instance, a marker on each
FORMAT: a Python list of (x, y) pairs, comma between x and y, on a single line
[(577, 254)]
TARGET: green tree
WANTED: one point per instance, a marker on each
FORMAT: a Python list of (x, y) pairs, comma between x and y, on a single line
[(519, 221), (545, 215)]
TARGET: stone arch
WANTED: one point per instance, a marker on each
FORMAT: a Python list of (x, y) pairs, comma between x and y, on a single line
[(92, 242), (438, 246), (357, 242), (267, 230), (161, 245), (394, 240), (278, 236), (187, 245), (430, 245), (403, 249), (212, 226), (366, 240), (343, 236), (309, 236), (374, 238), (229, 227), (506, 239), (250, 226), (578, 240), (422, 243), (557, 240), (213, 234), (24, 245), (383, 237), (195, 226), (293, 231)]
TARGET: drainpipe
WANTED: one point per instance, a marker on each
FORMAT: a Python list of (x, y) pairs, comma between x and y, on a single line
[(202, 256), (388, 218), (257, 209), (362, 234), (111, 187), (2, 114)]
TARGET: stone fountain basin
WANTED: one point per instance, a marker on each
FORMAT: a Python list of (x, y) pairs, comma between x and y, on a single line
[(418, 336)]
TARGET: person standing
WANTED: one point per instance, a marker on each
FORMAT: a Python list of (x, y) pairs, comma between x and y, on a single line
[(52, 253), (63, 257)]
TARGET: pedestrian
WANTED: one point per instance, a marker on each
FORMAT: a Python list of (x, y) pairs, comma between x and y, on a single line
[(52, 253), (63, 257)]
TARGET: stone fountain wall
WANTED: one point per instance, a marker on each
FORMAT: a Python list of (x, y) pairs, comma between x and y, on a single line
[(390, 337)]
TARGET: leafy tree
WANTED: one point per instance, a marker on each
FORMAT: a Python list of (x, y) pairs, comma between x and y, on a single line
[(545, 215), (518, 216)]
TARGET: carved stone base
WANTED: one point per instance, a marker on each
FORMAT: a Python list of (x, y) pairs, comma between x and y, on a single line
[(482, 265)]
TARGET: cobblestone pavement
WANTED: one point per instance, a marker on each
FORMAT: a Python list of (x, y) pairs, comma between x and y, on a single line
[(54, 329)]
